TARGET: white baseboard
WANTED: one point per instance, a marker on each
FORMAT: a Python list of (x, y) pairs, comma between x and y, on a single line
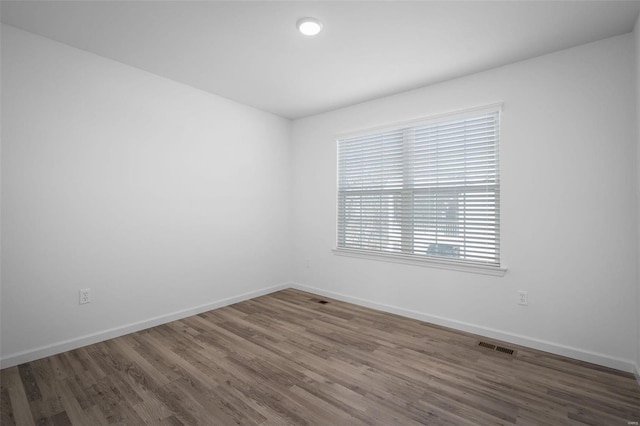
[(555, 348), (89, 339)]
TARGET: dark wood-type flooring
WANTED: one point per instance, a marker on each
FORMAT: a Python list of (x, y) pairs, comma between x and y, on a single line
[(285, 358)]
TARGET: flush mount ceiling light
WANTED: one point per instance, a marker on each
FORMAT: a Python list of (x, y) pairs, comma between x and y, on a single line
[(309, 26)]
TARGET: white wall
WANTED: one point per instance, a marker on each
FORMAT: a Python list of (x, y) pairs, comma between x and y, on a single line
[(636, 33), (159, 197), (567, 207)]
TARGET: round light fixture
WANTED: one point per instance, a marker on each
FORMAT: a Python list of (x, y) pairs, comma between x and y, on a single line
[(309, 26)]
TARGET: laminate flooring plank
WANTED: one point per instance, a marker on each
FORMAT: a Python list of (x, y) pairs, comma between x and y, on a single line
[(72, 408), (152, 411), (209, 409), (321, 408), (48, 405), (21, 412), (83, 391), (60, 419), (146, 373), (155, 363), (29, 382), (6, 410)]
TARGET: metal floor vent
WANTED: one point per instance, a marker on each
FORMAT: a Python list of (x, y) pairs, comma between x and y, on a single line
[(487, 345), (505, 350), (496, 348)]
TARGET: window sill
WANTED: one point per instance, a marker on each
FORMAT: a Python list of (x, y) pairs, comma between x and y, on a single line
[(419, 261)]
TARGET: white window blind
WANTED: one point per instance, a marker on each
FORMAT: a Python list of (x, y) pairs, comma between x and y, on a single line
[(427, 190)]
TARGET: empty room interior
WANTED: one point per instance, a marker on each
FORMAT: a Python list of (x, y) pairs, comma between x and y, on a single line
[(320, 213)]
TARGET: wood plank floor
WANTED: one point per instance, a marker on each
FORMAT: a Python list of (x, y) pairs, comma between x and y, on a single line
[(285, 358)]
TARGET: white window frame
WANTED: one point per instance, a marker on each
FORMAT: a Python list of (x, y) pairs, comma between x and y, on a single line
[(419, 259)]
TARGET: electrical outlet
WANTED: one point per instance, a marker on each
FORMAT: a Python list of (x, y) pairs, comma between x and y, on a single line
[(523, 298), (85, 296)]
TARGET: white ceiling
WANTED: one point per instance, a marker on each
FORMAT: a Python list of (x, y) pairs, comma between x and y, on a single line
[(251, 52)]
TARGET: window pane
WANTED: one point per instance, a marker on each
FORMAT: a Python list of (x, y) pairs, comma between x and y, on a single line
[(426, 190)]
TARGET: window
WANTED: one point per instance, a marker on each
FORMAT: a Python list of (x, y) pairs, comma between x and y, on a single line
[(429, 190)]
